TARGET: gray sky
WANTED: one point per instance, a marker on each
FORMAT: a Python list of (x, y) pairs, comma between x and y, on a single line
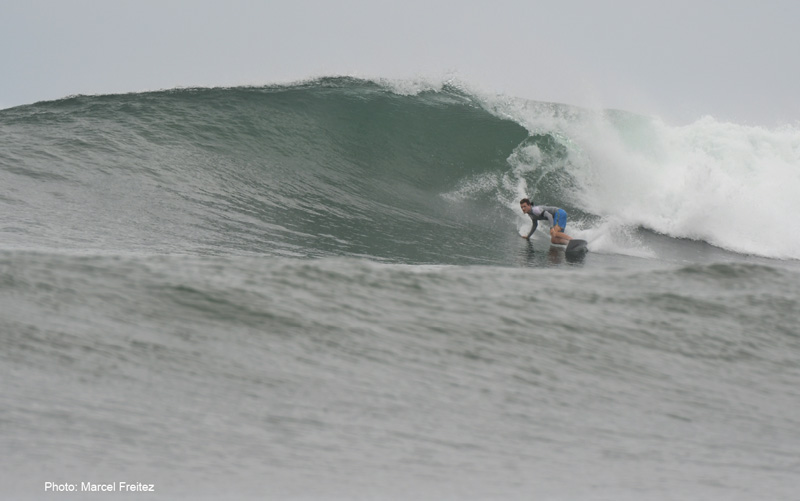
[(735, 60)]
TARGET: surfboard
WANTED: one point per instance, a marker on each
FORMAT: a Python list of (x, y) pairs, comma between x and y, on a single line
[(576, 246)]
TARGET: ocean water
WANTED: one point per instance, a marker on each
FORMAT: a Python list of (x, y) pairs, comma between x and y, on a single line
[(318, 291)]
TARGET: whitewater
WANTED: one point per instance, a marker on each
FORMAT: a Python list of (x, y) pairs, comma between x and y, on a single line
[(318, 290)]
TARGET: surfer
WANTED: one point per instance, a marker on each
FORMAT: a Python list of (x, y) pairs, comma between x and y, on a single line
[(557, 218)]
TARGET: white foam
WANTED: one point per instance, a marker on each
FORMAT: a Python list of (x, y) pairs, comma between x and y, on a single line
[(612, 236), (733, 186), (730, 185)]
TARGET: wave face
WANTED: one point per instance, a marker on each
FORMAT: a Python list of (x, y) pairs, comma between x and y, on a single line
[(280, 293), (348, 167), (333, 167)]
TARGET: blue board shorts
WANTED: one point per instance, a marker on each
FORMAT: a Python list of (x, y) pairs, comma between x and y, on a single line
[(560, 218)]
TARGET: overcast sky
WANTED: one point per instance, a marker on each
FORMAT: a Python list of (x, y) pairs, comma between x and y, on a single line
[(735, 60)]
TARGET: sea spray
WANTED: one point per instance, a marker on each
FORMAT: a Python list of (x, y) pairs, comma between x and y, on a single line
[(730, 185)]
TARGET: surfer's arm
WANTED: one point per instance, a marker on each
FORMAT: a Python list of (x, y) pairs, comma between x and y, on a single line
[(533, 228), (549, 217)]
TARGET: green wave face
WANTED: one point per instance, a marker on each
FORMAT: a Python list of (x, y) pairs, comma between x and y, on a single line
[(330, 167), (347, 167)]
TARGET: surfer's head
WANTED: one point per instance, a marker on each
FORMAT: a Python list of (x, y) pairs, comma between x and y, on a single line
[(525, 205)]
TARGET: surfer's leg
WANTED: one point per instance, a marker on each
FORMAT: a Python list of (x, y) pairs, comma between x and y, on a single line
[(559, 237)]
